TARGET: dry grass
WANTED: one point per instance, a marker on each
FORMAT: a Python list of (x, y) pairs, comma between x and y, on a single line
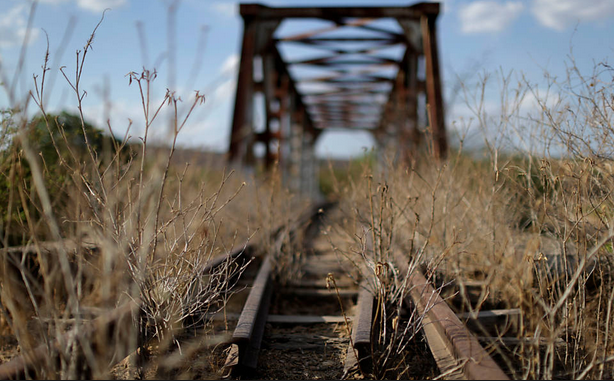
[(533, 228)]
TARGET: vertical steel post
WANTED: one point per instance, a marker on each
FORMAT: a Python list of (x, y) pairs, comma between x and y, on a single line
[(411, 136), (268, 78), (433, 86), (243, 110), (285, 125)]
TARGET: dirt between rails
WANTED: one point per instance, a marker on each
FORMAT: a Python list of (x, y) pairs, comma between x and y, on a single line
[(309, 351), (312, 305), (315, 352)]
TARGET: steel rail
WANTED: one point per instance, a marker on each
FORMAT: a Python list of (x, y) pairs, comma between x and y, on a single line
[(359, 350), (456, 350), (247, 337)]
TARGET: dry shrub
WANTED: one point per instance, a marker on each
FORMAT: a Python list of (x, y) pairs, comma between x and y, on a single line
[(365, 231), (135, 226), (282, 218)]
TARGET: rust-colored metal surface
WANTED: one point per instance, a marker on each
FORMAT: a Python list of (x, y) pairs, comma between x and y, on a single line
[(456, 350), (478, 365), (250, 327), (375, 63), (360, 349)]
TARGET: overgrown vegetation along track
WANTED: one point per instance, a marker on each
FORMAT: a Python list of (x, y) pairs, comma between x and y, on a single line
[(316, 324), (100, 331)]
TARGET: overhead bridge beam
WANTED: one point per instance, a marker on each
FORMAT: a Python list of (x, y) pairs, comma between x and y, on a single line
[(294, 118), (412, 12)]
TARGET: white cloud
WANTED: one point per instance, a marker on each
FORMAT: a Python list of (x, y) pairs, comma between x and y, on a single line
[(226, 90), (225, 9), (14, 26), (99, 5), (95, 6), (535, 103), (488, 16), (559, 14), (230, 65)]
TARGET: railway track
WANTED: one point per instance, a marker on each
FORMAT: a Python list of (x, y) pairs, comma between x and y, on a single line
[(318, 324), (456, 351), (310, 319)]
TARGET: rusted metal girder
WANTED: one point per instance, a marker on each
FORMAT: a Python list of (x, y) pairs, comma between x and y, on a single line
[(360, 81), (412, 12)]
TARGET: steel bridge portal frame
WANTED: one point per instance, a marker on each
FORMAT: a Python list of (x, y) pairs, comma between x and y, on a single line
[(294, 120)]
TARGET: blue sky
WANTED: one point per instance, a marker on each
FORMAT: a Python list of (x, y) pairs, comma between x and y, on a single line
[(476, 36)]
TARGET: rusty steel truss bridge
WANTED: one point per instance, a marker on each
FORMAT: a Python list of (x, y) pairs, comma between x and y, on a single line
[(376, 70)]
